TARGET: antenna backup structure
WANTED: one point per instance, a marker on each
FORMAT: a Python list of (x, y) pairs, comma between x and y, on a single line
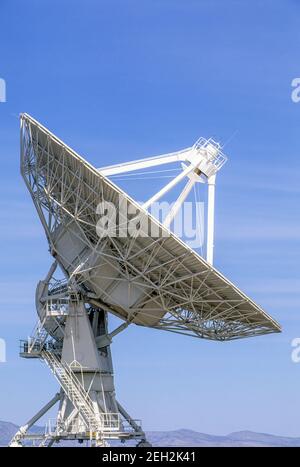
[(154, 281)]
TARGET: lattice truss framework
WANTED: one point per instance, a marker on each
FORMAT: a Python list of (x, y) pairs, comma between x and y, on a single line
[(195, 298)]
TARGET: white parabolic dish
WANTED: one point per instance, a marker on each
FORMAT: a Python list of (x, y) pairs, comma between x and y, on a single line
[(155, 281)]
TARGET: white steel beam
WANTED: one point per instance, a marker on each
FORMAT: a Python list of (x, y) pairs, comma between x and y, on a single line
[(23, 429), (210, 219), (170, 185), (178, 203), (145, 163)]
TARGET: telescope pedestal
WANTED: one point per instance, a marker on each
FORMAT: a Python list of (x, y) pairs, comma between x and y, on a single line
[(88, 409)]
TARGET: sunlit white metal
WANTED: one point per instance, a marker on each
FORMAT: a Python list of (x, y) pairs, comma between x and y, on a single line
[(178, 203), (153, 280), (146, 163), (210, 219), (170, 185), (75, 344), (204, 151), (204, 158), (21, 433)]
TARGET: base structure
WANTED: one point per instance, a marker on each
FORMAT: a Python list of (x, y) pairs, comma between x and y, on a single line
[(75, 344)]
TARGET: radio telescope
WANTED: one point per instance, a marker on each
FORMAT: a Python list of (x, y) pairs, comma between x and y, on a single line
[(149, 278)]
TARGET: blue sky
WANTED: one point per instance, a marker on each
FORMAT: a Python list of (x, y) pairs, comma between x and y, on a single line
[(122, 79)]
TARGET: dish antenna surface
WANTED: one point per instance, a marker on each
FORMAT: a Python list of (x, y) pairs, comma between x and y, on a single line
[(148, 278)]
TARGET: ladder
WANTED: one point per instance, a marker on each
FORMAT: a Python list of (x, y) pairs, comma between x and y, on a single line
[(39, 336), (75, 392)]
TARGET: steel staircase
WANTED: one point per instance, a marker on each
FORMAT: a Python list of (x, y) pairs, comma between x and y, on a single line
[(39, 336), (75, 392)]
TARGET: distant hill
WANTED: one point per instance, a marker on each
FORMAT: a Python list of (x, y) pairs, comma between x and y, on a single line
[(7, 430), (185, 438)]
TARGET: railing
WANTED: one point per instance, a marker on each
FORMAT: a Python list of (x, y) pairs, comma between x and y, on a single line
[(27, 347), (57, 285), (112, 423), (127, 427), (57, 307), (214, 155), (75, 391), (57, 428), (39, 333)]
